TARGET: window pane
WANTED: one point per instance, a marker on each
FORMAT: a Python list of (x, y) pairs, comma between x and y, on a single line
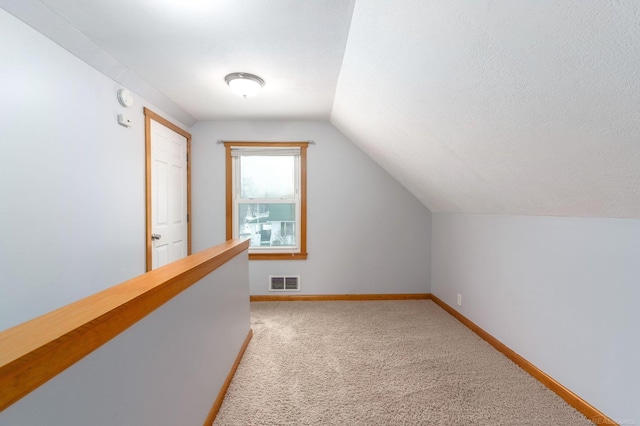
[(268, 225), (267, 176)]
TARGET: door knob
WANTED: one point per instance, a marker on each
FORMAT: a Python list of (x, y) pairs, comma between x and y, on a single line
[(155, 237)]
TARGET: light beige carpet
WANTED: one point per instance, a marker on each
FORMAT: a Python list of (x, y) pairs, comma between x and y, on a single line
[(379, 363)]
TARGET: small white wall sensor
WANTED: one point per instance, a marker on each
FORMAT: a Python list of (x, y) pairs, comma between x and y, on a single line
[(124, 121)]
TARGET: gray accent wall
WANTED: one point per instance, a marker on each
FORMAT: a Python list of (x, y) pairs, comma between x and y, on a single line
[(366, 232), (165, 370), (71, 180), (561, 292)]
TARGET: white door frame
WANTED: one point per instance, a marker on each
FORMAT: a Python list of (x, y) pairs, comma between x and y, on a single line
[(148, 116)]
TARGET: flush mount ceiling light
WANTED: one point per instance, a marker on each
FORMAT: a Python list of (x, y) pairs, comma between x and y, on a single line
[(244, 84)]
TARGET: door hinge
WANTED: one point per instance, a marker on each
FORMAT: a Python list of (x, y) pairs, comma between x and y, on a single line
[(187, 218)]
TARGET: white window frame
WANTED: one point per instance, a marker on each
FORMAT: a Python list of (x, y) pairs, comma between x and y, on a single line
[(234, 150)]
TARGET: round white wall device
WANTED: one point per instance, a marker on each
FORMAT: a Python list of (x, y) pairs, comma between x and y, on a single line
[(125, 97)]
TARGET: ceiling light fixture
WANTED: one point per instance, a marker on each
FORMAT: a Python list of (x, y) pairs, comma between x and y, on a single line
[(244, 84)]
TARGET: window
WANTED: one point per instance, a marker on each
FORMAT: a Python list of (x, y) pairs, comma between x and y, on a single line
[(266, 197)]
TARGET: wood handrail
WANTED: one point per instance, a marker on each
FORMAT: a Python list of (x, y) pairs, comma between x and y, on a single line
[(35, 351)]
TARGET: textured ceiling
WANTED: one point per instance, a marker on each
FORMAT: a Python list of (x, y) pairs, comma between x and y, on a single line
[(477, 106), (184, 48), (523, 107)]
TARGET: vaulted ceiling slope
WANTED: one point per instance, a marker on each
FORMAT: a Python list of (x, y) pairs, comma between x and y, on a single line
[(517, 107)]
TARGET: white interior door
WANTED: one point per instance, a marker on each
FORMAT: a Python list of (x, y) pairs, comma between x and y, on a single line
[(168, 195)]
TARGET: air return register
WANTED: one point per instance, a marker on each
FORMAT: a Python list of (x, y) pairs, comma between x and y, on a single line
[(284, 283)]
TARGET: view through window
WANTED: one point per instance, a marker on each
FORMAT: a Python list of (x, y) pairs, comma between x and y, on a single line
[(266, 197)]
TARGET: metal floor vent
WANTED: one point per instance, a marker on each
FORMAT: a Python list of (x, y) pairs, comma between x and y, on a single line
[(284, 283)]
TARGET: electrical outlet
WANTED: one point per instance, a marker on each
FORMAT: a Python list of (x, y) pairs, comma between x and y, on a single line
[(459, 299)]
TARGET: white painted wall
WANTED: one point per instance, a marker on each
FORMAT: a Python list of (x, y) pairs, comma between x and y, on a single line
[(165, 370), (71, 178), (561, 292), (366, 233)]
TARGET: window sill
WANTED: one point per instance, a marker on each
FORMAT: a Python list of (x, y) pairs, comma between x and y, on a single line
[(277, 256)]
